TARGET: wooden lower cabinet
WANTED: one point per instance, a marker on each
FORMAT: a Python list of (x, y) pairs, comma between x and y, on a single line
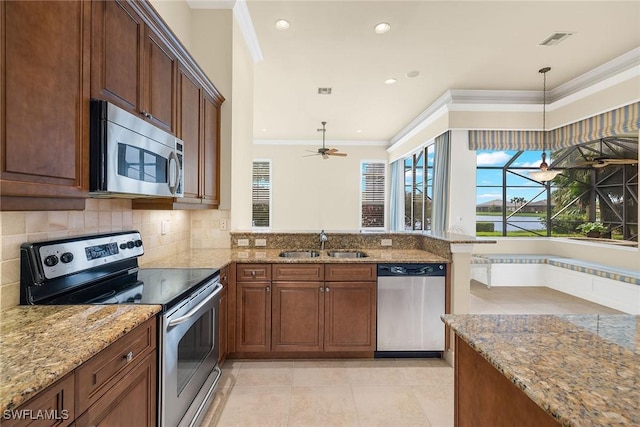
[(300, 311), (485, 397), (131, 402), (297, 318), (253, 317), (350, 316), (116, 387)]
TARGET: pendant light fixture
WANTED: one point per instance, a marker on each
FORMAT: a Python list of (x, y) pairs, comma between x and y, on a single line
[(544, 174)]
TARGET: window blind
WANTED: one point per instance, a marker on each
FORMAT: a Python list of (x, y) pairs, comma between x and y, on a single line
[(372, 194), (261, 194)]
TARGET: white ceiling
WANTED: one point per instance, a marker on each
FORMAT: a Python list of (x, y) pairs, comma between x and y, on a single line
[(489, 45)]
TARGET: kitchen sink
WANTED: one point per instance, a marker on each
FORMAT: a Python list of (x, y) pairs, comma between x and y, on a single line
[(347, 254), (299, 254)]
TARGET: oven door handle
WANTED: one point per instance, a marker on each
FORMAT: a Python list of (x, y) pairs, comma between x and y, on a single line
[(195, 309)]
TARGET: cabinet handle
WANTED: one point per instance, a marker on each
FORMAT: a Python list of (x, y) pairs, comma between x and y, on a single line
[(253, 273), (146, 114), (128, 357), (268, 288), (327, 289), (321, 289)]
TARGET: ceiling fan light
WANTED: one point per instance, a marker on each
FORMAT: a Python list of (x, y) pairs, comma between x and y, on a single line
[(544, 175)]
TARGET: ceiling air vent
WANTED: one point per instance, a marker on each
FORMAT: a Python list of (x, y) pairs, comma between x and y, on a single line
[(554, 39), (324, 91)]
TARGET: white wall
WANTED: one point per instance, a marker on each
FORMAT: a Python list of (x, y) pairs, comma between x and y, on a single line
[(462, 184), (240, 163), (310, 193)]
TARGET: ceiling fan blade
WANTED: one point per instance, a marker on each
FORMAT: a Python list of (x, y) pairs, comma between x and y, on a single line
[(620, 161), (337, 154), (311, 155)]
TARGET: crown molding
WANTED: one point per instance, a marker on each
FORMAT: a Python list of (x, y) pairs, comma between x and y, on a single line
[(618, 70), (339, 142), (243, 18)]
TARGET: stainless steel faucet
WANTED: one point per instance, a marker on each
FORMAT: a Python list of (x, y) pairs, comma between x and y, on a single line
[(323, 238)]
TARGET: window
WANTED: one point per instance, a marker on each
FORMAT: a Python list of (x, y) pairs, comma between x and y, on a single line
[(372, 189), (598, 183), (418, 189), (261, 194)]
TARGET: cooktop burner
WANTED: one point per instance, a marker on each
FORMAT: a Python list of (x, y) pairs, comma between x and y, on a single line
[(101, 269)]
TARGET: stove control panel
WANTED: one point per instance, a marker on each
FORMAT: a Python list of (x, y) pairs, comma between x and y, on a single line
[(62, 257)]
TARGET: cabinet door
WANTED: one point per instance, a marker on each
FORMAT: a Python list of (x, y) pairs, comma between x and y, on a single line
[(211, 151), (297, 316), (130, 402), (253, 317), (350, 316), (44, 117), (116, 54), (56, 401), (159, 81), (189, 131)]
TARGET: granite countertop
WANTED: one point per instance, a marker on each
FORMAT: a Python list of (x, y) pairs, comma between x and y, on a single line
[(584, 370), (41, 344), (218, 258)]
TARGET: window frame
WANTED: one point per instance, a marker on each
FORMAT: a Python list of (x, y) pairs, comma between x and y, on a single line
[(270, 199), (384, 195)]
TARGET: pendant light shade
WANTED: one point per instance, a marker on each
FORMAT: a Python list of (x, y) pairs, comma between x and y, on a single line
[(544, 174)]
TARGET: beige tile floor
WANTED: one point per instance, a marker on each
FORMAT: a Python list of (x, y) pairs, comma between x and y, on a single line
[(380, 392)]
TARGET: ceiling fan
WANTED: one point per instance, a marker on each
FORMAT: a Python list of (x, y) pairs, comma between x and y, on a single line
[(602, 161), (325, 152)]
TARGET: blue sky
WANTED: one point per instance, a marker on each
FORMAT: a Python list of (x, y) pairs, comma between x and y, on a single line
[(521, 187)]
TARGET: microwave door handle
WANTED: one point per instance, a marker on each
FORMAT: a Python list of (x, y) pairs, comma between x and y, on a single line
[(173, 157)]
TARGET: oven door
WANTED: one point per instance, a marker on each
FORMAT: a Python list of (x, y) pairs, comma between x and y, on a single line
[(189, 356)]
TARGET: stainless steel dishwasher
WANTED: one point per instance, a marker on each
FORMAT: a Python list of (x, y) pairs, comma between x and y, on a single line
[(411, 298)]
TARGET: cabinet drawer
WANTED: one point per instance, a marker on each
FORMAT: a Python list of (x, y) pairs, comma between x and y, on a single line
[(298, 272), (55, 404), (95, 377), (350, 272), (253, 272)]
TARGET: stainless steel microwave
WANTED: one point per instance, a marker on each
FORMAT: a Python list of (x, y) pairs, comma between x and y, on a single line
[(130, 157)]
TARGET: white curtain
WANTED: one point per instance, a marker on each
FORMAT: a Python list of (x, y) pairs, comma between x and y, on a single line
[(441, 168), (396, 196)]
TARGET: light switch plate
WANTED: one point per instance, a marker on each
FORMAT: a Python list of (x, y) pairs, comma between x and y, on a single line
[(243, 242), (164, 227), (223, 224), (385, 242)]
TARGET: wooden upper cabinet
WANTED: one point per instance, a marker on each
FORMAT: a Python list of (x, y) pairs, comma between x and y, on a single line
[(190, 107), (211, 150), (160, 67), (131, 65), (116, 54), (44, 104)]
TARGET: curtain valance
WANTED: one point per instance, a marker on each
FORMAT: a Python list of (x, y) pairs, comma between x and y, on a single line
[(620, 121)]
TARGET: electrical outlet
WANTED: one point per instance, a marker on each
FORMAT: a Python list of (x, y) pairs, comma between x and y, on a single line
[(385, 242), (164, 227), (261, 242), (243, 242), (223, 224)]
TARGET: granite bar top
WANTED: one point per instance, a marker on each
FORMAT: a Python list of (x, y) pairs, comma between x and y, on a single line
[(41, 344), (218, 258), (584, 370)]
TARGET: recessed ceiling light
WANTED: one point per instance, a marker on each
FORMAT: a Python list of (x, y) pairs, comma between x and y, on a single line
[(282, 24), (414, 73), (390, 81), (358, 130), (264, 129), (382, 28)]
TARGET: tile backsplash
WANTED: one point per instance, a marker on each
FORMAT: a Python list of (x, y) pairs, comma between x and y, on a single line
[(184, 230)]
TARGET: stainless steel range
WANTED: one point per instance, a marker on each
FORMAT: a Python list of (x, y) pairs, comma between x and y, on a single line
[(103, 269)]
